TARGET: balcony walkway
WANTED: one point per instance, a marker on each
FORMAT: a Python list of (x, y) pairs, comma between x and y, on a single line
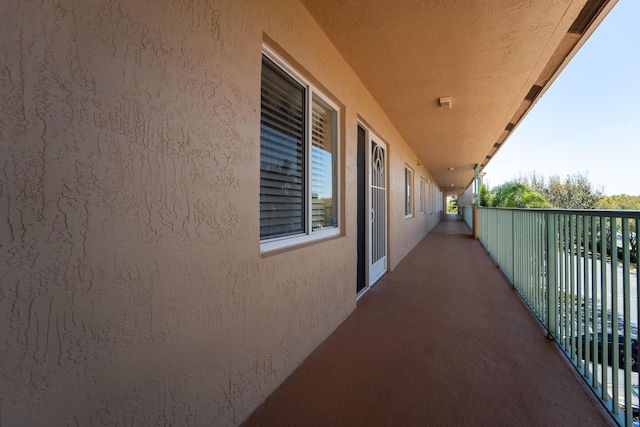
[(443, 340)]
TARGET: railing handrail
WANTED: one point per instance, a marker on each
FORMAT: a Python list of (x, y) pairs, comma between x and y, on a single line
[(618, 213)]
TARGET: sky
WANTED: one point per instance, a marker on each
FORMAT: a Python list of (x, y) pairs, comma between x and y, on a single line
[(588, 120)]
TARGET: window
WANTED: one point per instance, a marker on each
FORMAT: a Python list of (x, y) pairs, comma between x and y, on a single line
[(298, 158), (422, 198), (408, 193), (432, 197)]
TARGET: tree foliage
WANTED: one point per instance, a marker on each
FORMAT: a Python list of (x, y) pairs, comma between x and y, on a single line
[(452, 205), (513, 194), (485, 196), (619, 202), (623, 202), (571, 192)]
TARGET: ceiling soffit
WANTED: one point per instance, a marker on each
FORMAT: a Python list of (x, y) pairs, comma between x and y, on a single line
[(493, 58)]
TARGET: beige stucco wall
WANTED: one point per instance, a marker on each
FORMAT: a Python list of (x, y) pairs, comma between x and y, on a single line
[(132, 287), (406, 232)]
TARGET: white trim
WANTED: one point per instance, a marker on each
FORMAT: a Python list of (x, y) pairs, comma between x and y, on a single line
[(423, 196), (307, 160), (362, 292), (432, 191), (283, 65), (410, 197), (295, 240)]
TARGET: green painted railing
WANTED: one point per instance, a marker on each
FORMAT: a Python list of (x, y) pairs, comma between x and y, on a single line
[(467, 216), (577, 270)]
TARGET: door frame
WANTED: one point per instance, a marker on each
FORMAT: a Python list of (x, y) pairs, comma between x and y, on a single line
[(367, 226)]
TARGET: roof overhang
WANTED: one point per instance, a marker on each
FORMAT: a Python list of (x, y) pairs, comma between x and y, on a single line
[(493, 58)]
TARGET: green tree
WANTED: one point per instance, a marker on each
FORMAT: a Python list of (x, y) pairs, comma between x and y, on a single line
[(619, 202), (485, 197), (516, 194), (623, 202), (572, 192), (452, 205)]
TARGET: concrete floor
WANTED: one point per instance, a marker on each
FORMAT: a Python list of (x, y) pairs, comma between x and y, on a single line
[(443, 340)]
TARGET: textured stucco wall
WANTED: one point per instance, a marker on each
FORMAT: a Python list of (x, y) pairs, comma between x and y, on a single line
[(132, 287), (406, 232)]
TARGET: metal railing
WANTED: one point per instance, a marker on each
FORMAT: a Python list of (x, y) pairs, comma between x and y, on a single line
[(467, 215), (577, 271)]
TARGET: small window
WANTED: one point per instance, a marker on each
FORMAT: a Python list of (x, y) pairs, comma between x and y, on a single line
[(422, 196), (298, 159), (408, 195)]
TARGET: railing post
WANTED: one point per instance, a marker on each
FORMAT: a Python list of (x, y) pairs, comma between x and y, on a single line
[(476, 222), (476, 185), (626, 292), (552, 276), (513, 250)]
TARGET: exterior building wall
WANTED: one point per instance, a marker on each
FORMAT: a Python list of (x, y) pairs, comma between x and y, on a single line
[(466, 198), (405, 233), (133, 290)]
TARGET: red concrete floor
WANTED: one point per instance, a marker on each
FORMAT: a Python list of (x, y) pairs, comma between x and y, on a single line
[(443, 340)]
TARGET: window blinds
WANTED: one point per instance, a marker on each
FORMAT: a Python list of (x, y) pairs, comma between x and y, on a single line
[(282, 153)]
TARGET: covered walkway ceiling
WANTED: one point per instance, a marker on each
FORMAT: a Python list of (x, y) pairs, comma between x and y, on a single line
[(494, 58)]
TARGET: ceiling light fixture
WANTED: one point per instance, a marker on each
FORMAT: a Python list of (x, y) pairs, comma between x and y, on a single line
[(446, 103)]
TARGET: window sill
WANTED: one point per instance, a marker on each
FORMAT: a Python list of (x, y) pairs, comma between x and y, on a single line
[(277, 246)]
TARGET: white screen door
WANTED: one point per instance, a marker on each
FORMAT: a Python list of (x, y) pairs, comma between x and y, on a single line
[(377, 208)]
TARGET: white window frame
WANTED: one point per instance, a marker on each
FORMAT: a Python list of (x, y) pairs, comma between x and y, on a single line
[(408, 192), (422, 195), (309, 235), (432, 192)]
